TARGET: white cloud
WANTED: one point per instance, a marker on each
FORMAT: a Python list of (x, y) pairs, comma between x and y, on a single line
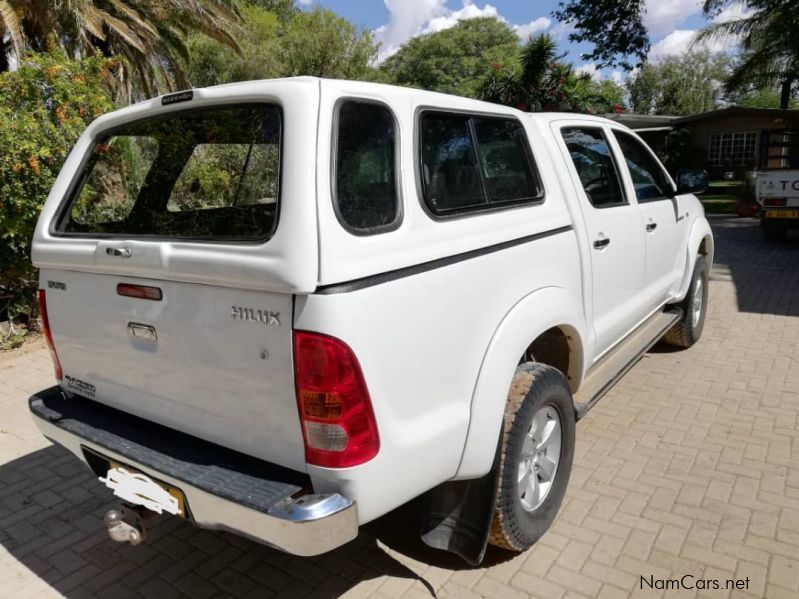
[(617, 77), (409, 18), (681, 41), (589, 68), (662, 16), (733, 13), (534, 26), (406, 19), (469, 11), (305, 2)]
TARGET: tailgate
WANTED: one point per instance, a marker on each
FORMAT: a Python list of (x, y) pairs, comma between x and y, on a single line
[(779, 184), (214, 362), (212, 205)]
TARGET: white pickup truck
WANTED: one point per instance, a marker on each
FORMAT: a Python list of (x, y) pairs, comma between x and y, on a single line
[(777, 182), (284, 308)]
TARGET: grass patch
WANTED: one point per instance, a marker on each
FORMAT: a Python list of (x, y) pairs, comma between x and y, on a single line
[(720, 197)]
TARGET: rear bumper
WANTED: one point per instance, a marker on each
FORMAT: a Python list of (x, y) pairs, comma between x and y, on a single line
[(224, 490)]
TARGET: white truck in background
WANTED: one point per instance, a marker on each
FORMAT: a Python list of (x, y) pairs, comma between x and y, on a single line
[(285, 308), (777, 182)]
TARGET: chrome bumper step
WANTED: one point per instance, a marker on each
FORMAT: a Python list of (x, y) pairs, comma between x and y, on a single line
[(224, 489)]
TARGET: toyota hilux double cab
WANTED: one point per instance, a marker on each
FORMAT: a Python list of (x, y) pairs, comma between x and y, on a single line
[(284, 308)]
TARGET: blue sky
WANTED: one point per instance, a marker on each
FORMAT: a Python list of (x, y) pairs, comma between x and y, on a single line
[(671, 23)]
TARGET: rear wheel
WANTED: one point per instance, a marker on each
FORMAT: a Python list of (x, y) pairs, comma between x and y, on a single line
[(773, 230), (689, 328), (537, 453)]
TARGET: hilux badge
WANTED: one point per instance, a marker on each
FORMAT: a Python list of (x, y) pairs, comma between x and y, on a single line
[(266, 317)]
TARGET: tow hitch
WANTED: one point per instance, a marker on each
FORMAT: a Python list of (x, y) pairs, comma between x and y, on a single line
[(129, 524), (144, 499)]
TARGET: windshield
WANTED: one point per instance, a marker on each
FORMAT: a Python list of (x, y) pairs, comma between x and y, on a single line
[(205, 174)]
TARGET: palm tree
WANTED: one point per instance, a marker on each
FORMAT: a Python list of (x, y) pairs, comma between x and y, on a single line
[(768, 37), (540, 82), (149, 34)]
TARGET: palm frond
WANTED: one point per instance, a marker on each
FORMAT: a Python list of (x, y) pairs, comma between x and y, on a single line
[(10, 20)]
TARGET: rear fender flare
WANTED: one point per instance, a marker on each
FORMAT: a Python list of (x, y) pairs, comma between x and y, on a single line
[(535, 313)]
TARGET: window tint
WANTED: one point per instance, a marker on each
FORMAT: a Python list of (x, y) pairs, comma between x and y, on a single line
[(208, 174), (366, 184), (449, 163), (649, 180), (595, 166), (472, 162), (506, 164)]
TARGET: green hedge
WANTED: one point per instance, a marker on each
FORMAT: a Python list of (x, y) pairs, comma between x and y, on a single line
[(44, 106)]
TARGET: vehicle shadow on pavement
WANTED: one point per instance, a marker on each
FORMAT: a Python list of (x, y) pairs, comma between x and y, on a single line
[(764, 273), (51, 510)]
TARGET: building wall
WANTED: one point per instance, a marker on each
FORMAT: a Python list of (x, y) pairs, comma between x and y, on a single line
[(702, 130)]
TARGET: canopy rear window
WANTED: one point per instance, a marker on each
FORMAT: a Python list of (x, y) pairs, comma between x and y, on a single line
[(209, 174)]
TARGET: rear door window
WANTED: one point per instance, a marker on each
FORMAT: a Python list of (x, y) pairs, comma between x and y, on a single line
[(209, 174), (506, 163), (450, 172), (595, 166), (475, 162)]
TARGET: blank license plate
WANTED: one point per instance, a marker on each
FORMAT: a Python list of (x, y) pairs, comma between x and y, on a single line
[(173, 491)]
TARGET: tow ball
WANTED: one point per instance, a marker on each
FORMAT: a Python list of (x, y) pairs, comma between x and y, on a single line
[(128, 524)]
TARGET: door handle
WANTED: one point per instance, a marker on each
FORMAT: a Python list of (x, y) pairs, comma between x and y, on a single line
[(651, 227), (119, 252), (601, 243)]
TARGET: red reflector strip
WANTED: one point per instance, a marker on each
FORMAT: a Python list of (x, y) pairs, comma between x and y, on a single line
[(140, 291), (774, 202)]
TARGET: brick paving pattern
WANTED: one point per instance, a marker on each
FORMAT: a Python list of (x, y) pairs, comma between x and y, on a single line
[(690, 465)]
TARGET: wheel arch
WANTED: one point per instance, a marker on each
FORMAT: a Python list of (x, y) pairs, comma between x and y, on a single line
[(700, 242), (552, 313)]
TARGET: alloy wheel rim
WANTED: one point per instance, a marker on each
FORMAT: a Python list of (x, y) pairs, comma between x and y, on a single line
[(539, 458), (696, 303)]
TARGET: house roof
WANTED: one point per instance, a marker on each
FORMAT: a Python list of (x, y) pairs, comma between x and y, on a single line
[(738, 111), (663, 122), (643, 121)]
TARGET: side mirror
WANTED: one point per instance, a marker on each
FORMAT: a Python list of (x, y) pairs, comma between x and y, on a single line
[(692, 180)]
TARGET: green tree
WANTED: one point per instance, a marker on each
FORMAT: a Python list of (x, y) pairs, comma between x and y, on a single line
[(678, 85), (615, 29), (323, 44), (599, 97), (316, 42), (44, 106), (767, 31), (150, 34), (455, 60), (766, 97), (768, 36), (539, 81)]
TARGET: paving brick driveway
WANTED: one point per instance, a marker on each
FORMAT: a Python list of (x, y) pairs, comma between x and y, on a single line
[(689, 466)]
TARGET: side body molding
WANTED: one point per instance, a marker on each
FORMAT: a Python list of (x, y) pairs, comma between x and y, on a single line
[(535, 313)]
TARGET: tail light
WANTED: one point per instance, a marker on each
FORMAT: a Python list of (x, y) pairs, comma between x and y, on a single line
[(338, 423), (48, 335), (774, 201)]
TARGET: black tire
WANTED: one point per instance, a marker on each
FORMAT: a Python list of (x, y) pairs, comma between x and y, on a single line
[(534, 387), (772, 230), (687, 332)]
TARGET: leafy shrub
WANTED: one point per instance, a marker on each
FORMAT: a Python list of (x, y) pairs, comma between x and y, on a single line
[(44, 106)]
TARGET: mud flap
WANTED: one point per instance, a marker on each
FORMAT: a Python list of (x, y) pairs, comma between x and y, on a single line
[(457, 515)]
